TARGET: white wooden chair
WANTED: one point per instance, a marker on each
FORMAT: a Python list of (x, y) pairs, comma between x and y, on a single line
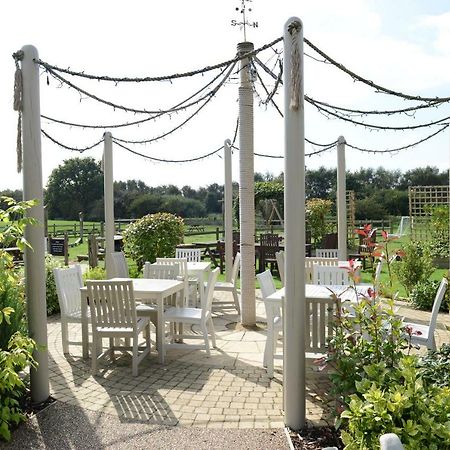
[(119, 266), (68, 283), (309, 264), (274, 321), (327, 252), (195, 316), (426, 336), (230, 286), (113, 315), (191, 254), (330, 275), (280, 263), (183, 274), (161, 271)]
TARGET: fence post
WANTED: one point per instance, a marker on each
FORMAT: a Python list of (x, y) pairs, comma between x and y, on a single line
[(80, 215)]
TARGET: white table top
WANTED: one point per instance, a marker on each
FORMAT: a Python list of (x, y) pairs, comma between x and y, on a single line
[(321, 291), (195, 266), (150, 285)]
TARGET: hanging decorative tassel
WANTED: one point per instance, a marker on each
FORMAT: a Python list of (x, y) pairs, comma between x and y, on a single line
[(18, 106), (295, 67)]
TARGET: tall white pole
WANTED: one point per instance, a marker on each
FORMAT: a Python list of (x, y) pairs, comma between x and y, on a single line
[(32, 190), (246, 189), (341, 200), (294, 215), (228, 210), (109, 200)]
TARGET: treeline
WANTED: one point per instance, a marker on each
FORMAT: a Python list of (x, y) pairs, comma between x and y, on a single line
[(77, 185)]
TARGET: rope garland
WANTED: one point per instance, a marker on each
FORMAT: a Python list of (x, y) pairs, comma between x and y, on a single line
[(236, 59), (293, 30), (18, 106)]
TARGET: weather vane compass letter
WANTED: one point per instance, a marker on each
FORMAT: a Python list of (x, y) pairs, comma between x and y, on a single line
[(244, 23)]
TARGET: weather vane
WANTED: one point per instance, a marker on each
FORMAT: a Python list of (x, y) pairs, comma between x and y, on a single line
[(244, 23)]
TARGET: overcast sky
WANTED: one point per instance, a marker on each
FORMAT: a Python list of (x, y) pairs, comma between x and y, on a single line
[(402, 44)]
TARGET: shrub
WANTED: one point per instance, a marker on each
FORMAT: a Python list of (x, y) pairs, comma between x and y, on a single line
[(316, 211), (423, 294), (12, 296), (50, 286), (416, 265), (152, 236), (397, 401), (14, 359), (95, 273), (436, 367)]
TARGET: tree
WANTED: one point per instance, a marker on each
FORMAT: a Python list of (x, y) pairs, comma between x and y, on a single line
[(423, 176), (74, 186)]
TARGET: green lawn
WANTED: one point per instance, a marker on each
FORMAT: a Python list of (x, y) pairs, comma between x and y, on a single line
[(366, 275)]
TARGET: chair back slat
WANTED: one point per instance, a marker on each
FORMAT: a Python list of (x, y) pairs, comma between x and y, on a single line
[(329, 275), (191, 254), (68, 283), (209, 292), (159, 271), (327, 253), (119, 265), (437, 304), (309, 263), (112, 303), (236, 267), (280, 263)]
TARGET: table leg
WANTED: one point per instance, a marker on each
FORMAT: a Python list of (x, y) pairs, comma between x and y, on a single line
[(84, 327), (160, 332)]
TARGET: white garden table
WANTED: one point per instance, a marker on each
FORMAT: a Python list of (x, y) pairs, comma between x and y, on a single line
[(147, 290), (320, 308), (199, 270)]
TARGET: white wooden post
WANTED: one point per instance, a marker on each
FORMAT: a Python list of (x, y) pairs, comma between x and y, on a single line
[(246, 190), (109, 201), (228, 206), (341, 201), (32, 190), (294, 215)]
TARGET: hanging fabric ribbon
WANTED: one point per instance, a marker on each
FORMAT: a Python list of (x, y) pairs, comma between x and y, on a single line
[(18, 106), (293, 29)]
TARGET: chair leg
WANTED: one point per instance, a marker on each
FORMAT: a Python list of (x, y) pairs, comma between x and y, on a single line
[(212, 332), (65, 335), (111, 349), (135, 356), (94, 355), (147, 337), (236, 301), (206, 339)]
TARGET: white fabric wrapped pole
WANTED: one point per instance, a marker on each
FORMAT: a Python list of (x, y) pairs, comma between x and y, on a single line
[(228, 208), (246, 190)]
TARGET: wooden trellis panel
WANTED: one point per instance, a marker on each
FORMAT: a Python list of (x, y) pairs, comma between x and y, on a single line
[(420, 197), (350, 199)]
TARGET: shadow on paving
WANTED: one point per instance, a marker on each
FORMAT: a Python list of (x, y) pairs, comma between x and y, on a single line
[(62, 427)]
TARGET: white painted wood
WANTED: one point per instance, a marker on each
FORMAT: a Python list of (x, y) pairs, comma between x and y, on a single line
[(191, 254), (202, 317), (330, 275), (230, 286), (309, 263), (32, 190), (390, 441), (228, 210), (341, 200), (246, 190), (328, 253), (109, 201), (68, 283), (113, 315), (294, 215), (118, 266)]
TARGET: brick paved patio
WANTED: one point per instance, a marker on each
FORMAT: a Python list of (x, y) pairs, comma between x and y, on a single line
[(228, 390)]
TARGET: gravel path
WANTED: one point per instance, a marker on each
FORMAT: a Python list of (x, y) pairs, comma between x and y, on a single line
[(62, 426)]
